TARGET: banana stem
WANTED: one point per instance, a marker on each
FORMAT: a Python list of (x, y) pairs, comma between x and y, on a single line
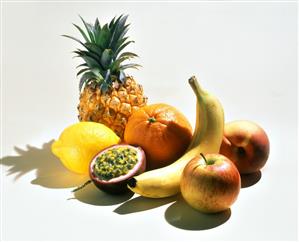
[(195, 86)]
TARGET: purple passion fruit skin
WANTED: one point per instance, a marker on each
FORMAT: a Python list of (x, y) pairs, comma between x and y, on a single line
[(114, 183)]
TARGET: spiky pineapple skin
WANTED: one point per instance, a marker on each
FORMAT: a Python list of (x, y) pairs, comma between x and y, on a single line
[(112, 108)]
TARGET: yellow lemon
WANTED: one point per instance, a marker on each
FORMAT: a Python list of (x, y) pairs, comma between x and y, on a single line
[(80, 142)]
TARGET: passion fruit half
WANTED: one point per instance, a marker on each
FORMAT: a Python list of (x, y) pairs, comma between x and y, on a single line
[(111, 168)]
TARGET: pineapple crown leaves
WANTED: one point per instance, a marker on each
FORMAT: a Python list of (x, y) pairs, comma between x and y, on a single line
[(103, 52)]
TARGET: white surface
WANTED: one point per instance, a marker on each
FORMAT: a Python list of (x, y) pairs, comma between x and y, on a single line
[(245, 53)]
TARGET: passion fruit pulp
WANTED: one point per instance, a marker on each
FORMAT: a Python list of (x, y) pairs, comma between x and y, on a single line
[(111, 168)]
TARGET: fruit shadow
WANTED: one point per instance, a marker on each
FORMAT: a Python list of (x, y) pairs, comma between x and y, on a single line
[(140, 204), (50, 173), (182, 216), (248, 180), (90, 194)]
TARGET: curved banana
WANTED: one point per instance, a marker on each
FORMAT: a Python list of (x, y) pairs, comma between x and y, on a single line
[(207, 138)]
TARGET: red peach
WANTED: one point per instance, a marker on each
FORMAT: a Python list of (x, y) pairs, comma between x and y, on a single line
[(246, 144)]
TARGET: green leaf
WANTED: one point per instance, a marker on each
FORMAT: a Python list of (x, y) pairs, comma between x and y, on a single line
[(107, 76), (96, 30), (122, 59), (86, 53), (116, 64), (120, 42), (82, 33), (104, 37), (91, 28), (104, 87), (82, 70), (119, 31), (91, 62), (89, 81), (131, 65), (85, 78), (111, 24), (97, 24), (94, 48), (128, 54), (82, 65), (124, 32), (122, 76), (88, 75), (88, 46), (124, 45), (96, 72), (73, 38), (106, 58), (88, 28)]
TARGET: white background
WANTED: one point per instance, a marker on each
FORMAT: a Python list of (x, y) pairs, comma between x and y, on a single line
[(245, 53)]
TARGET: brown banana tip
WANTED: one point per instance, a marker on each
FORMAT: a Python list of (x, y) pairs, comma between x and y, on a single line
[(132, 182), (192, 79)]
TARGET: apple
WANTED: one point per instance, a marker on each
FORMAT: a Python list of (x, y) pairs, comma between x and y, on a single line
[(210, 183), (246, 144)]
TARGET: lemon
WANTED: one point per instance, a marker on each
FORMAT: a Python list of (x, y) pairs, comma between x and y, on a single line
[(80, 142)]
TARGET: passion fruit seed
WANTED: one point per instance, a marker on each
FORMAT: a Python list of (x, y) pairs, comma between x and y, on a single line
[(115, 162), (111, 169)]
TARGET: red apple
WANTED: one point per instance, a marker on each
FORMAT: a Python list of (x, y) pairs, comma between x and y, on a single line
[(246, 144), (210, 183)]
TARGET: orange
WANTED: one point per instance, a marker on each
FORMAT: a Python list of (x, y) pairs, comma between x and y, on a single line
[(162, 131)]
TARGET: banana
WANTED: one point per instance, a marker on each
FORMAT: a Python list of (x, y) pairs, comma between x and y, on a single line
[(207, 138)]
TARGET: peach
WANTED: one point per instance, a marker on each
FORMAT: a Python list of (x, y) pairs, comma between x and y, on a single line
[(246, 144)]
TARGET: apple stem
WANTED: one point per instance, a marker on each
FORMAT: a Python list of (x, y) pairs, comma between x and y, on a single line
[(204, 158)]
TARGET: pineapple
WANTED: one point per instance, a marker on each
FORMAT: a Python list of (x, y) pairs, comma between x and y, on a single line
[(107, 94)]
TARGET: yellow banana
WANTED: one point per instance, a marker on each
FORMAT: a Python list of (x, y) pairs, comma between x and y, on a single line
[(207, 138)]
